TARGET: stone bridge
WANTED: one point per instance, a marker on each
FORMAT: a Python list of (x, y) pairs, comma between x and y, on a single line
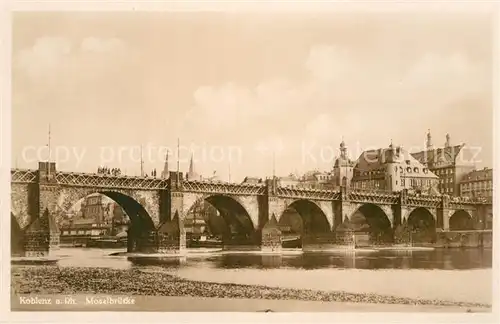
[(157, 209)]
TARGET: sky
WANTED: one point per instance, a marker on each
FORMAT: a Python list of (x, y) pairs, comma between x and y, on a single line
[(246, 94)]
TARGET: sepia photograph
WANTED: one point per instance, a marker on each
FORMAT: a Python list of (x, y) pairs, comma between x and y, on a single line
[(252, 161)]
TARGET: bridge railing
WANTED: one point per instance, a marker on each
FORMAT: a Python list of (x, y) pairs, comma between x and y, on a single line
[(307, 193), (224, 187), (108, 181), (23, 175)]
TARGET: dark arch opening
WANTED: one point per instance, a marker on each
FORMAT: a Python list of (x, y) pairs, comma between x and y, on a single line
[(312, 218), (203, 225), (16, 237), (291, 227), (372, 219), (422, 226), (140, 224), (224, 219), (136, 212), (461, 221)]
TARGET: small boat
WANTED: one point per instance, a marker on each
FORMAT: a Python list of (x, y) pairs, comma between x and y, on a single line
[(204, 243), (291, 242), (108, 243)]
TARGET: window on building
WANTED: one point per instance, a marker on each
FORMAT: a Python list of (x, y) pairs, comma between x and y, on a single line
[(403, 182)]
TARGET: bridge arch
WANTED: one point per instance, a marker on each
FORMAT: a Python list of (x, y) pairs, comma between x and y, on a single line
[(305, 216), (232, 214), (139, 217), (461, 220), (211, 216), (422, 225), (372, 218)]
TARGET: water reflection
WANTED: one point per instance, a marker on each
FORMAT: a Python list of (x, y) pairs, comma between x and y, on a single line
[(451, 259)]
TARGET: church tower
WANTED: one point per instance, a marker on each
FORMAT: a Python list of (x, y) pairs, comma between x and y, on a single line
[(343, 168), (392, 172)]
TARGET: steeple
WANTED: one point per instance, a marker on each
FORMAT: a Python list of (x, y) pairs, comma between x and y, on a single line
[(429, 140), (192, 175), (165, 172), (191, 166)]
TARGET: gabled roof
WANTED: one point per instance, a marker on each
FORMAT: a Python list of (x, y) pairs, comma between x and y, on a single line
[(376, 160), (443, 156)]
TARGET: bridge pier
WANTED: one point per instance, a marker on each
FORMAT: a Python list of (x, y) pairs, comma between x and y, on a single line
[(41, 238), (169, 238), (267, 240)]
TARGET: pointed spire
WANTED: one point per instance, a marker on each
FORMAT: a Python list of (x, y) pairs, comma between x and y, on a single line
[(165, 172), (191, 165)]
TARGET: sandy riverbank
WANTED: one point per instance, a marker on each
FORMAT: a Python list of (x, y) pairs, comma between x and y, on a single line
[(46, 280), (473, 286)]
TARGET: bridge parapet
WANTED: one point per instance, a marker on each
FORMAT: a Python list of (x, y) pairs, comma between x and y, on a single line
[(224, 188), (92, 180), (423, 201), (467, 205), (471, 201), (373, 196), (23, 175), (108, 181), (304, 193)]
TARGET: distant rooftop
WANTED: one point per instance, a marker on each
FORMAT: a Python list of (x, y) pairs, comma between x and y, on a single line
[(479, 175)]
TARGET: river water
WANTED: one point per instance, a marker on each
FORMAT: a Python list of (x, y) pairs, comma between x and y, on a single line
[(453, 274)]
